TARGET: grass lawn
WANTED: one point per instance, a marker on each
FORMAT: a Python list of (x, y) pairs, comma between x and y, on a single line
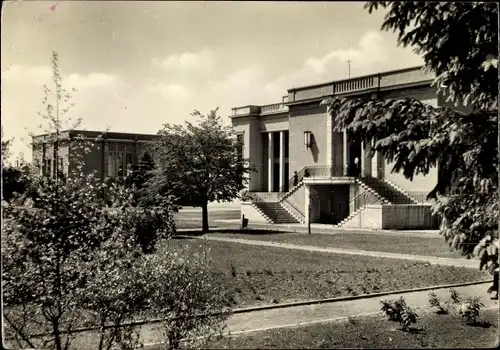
[(192, 219), (264, 275), (370, 241), (432, 331)]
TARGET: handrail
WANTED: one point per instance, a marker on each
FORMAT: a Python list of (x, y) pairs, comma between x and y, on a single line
[(311, 171), (293, 207), (362, 199)]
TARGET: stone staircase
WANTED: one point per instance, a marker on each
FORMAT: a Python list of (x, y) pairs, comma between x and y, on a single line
[(291, 191), (353, 220), (275, 213), (271, 208), (386, 191)]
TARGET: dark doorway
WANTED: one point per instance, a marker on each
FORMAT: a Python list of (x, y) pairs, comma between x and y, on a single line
[(354, 152), (276, 177), (287, 177)]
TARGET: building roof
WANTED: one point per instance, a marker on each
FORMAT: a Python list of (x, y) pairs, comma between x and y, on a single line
[(388, 80), (105, 134)]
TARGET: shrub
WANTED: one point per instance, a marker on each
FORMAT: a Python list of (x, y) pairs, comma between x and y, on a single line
[(470, 309), (399, 311), (247, 196), (189, 298), (53, 254), (435, 302), (454, 296), (444, 308), (151, 225)]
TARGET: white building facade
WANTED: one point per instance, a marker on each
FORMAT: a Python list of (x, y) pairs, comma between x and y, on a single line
[(337, 182)]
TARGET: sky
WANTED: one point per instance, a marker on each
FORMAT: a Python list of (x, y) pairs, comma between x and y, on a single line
[(137, 65)]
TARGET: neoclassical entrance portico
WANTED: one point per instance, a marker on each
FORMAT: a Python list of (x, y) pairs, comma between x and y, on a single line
[(276, 156)]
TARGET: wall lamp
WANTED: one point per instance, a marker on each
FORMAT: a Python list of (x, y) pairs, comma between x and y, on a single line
[(307, 139)]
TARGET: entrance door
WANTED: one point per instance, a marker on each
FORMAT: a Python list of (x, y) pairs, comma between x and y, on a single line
[(276, 177), (325, 212), (354, 152)]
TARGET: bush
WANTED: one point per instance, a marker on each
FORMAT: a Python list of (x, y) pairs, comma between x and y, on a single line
[(444, 308), (435, 302), (74, 262), (151, 225), (470, 309), (247, 196), (189, 298), (399, 311)]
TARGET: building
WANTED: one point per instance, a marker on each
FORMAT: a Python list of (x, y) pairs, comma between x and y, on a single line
[(110, 153), (296, 134)]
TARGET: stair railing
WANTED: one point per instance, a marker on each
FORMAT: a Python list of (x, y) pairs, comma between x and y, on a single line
[(363, 199), (311, 171), (297, 211)]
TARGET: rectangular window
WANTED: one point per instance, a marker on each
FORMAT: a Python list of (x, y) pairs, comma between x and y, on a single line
[(114, 163)]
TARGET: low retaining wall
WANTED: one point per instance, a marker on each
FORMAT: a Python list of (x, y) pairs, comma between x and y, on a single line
[(398, 217)]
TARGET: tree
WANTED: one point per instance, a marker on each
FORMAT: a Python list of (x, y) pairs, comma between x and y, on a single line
[(198, 163), (14, 182), (458, 42), (190, 298), (5, 149), (70, 260), (141, 173)]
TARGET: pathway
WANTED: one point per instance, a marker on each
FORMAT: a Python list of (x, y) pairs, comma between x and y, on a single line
[(331, 311), (431, 259)]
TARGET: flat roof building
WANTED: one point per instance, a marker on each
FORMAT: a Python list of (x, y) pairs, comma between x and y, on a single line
[(336, 178), (110, 153)]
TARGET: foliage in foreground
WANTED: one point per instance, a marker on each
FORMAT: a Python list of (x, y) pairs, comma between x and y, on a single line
[(444, 308), (72, 260), (459, 44), (398, 311), (189, 297), (469, 309)]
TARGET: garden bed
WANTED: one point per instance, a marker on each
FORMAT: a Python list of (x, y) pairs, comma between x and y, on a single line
[(430, 246), (431, 331), (266, 275)]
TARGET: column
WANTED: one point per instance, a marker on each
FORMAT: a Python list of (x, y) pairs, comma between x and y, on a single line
[(282, 161), (345, 149), (329, 139), (307, 199), (270, 162), (368, 160), (363, 160)]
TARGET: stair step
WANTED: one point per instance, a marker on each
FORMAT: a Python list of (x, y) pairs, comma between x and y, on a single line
[(386, 191), (275, 213)]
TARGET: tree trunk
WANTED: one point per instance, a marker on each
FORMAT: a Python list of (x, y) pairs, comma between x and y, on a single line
[(204, 213)]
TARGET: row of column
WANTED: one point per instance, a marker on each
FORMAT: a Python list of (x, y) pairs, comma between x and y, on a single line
[(270, 160)]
